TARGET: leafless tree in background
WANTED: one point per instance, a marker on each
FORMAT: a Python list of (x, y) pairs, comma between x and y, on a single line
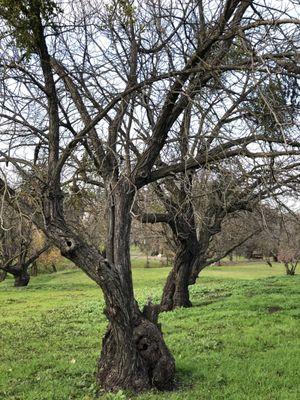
[(195, 209), (17, 253)]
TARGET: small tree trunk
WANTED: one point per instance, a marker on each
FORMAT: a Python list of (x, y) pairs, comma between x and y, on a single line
[(249, 254), (294, 267), (289, 272), (147, 261), (290, 269), (176, 291), (167, 300), (3, 275), (22, 278), (34, 269), (20, 269), (268, 261)]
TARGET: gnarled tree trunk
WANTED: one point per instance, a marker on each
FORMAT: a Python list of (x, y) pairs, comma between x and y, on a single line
[(176, 292), (190, 259), (134, 354)]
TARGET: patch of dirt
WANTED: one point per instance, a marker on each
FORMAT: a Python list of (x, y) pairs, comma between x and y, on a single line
[(274, 309)]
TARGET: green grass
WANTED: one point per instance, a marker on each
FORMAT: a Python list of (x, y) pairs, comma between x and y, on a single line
[(239, 341)]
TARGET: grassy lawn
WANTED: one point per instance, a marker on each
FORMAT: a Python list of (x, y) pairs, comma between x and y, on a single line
[(239, 341)]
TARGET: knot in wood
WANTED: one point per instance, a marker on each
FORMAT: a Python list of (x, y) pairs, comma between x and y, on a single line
[(69, 245)]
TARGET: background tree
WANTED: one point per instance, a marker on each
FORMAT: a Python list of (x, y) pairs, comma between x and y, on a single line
[(289, 241), (201, 205), (17, 250), (264, 244)]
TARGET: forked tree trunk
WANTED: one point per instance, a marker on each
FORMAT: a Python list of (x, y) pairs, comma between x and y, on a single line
[(134, 355), (20, 274), (20, 269), (290, 268), (176, 290)]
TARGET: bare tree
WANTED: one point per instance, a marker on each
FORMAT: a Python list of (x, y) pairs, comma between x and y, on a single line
[(265, 244), (110, 84), (17, 253), (289, 243), (195, 211)]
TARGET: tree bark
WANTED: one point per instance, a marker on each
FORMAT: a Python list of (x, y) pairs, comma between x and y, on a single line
[(134, 355), (176, 291), (21, 278), (3, 275), (290, 269), (34, 269)]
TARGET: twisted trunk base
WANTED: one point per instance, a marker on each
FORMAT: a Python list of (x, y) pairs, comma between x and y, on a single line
[(176, 292), (140, 365)]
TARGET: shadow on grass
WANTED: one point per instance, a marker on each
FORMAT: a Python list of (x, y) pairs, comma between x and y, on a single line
[(207, 302)]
